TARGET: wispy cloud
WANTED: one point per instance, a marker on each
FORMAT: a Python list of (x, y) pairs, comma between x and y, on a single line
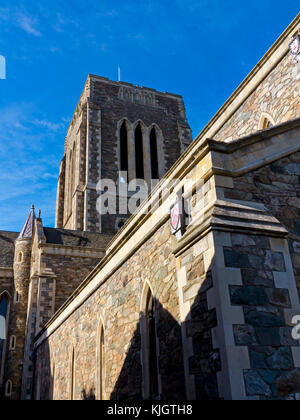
[(54, 127), (28, 24)]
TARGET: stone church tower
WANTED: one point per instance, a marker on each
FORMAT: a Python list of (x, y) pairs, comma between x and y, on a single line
[(116, 127)]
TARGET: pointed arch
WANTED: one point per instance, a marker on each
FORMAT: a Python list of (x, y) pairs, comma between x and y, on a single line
[(149, 344), (101, 373), (266, 121), (139, 151)]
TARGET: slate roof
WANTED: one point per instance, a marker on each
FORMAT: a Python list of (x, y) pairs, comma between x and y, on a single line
[(7, 248), (27, 229), (76, 238)]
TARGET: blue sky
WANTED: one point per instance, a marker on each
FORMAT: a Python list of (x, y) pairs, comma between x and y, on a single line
[(200, 49)]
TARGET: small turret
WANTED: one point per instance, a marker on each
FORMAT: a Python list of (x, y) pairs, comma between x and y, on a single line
[(22, 258)]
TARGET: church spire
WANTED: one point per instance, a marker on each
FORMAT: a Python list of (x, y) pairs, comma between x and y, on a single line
[(27, 229)]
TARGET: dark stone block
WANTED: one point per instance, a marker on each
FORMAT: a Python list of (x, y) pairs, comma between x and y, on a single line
[(279, 297), (258, 360), (297, 227), (244, 335), (253, 277), (286, 338), (255, 385), (235, 259), (263, 319), (252, 296), (282, 359), (274, 261), (268, 336), (269, 376)]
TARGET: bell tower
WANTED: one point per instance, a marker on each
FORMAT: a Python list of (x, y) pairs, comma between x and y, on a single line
[(116, 127)]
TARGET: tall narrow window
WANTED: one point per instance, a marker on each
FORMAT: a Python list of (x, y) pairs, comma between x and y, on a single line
[(72, 376), (124, 148), (73, 170), (102, 365), (154, 156), (152, 343), (12, 344), (52, 389), (3, 325), (139, 153), (267, 124), (8, 389)]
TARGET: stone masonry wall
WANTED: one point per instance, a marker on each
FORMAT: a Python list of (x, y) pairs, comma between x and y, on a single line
[(203, 359), (278, 95), (277, 186), (69, 271), (118, 302), (16, 327), (265, 333)]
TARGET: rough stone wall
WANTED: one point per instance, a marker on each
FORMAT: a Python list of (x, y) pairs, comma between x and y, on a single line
[(16, 327), (277, 187), (265, 333), (70, 271), (204, 359), (118, 303), (278, 95)]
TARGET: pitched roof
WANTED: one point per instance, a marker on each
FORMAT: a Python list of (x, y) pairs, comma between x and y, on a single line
[(27, 229), (76, 238)]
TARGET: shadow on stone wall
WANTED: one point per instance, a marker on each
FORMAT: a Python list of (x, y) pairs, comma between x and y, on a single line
[(272, 380), (204, 364), (170, 360)]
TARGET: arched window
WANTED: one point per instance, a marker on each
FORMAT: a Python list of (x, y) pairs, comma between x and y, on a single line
[(72, 375), (124, 148), (4, 306), (149, 347), (139, 153), (20, 257), (73, 174), (267, 124), (17, 297), (12, 343), (153, 153), (266, 121), (101, 363), (8, 389)]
